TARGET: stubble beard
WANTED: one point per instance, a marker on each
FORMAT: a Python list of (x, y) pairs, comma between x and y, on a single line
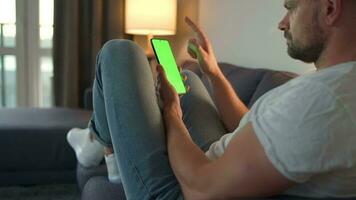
[(309, 54), (312, 51)]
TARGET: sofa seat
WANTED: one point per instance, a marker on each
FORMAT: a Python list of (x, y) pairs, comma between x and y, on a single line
[(34, 147)]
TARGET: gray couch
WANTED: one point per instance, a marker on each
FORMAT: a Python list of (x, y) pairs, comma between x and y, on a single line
[(33, 145), (249, 84)]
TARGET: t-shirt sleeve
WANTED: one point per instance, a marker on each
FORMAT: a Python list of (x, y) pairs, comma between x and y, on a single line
[(303, 131)]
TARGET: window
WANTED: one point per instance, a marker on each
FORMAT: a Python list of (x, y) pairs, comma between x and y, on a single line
[(46, 62), (8, 66), (26, 66)]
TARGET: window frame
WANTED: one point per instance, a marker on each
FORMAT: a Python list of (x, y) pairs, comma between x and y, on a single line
[(28, 54)]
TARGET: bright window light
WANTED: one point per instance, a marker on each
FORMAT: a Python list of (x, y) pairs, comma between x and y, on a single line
[(46, 12), (7, 11)]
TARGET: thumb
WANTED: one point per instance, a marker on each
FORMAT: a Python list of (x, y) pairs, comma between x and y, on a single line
[(161, 73)]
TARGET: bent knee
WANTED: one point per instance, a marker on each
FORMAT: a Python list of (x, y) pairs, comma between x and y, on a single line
[(191, 76), (120, 47)]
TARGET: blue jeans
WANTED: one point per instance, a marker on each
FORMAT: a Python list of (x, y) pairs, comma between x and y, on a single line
[(127, 117)]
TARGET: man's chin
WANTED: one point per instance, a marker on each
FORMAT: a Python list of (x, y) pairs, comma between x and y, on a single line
[(294, 55), (299, 57), (308, 54)]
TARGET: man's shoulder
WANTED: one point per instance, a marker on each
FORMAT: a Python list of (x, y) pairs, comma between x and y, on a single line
[(332, 76)]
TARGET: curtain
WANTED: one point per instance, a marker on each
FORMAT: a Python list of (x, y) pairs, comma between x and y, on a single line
[(81, 27)]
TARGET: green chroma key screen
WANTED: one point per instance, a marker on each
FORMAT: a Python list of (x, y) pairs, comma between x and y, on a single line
[(165, 57)]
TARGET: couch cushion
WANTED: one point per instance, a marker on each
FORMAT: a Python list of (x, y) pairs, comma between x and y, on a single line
[(86, 173), (245, 81), (34, 139), (270, 80), (99, 188)]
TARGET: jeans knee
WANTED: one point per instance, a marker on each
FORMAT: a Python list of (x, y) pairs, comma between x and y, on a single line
[(197, 85), (120, 48), (191, 76)]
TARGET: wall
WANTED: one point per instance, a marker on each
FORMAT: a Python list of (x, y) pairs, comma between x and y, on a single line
[(244, 32)]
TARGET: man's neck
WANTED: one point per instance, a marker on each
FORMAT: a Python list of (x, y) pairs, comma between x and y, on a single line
[(338, 51)]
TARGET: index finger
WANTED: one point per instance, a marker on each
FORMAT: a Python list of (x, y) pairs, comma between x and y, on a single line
[(196, 29)]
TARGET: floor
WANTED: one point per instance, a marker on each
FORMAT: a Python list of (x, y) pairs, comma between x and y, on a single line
[(44, 192)]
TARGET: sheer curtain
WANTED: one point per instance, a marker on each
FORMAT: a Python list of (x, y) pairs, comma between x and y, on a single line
[(81, 27)]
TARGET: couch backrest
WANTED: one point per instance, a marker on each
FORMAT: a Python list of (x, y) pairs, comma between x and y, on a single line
[(249, 84)]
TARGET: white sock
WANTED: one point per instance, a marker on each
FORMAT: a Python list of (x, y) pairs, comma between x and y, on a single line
[(89, 153), (113, 170)]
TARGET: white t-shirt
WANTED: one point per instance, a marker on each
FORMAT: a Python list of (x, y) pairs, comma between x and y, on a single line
[(308, 130)]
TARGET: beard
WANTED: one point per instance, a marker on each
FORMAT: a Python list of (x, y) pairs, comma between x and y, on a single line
[(309, 53), (314, 47)]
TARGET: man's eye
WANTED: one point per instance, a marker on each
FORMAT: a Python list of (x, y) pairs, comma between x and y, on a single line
[(290, 8)]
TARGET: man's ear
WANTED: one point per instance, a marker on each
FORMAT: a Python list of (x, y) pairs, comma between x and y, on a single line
[(331, 10)]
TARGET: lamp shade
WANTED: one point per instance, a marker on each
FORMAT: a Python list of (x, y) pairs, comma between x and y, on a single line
[(156, 17)]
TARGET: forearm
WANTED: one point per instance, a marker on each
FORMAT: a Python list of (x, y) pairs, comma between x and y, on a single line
[(186, 158), (230, 107)]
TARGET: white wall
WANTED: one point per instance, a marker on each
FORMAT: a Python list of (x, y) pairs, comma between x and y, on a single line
[(244, 32)]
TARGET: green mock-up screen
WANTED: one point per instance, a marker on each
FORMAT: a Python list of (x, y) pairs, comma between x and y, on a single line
[(165, 57)]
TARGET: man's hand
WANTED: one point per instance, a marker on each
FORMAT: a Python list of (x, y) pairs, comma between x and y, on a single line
[(230, 107), (170, 98), (200, 48)]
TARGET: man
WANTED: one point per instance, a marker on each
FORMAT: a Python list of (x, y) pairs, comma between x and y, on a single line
[(299, 139)]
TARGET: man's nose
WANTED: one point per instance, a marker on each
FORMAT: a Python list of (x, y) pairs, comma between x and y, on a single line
[(284, 24)]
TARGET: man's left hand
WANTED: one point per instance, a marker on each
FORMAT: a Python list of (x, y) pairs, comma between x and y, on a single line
[(170, 98)]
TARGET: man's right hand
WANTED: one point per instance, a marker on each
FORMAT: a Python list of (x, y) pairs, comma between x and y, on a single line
[(230, 107), (200, 48)]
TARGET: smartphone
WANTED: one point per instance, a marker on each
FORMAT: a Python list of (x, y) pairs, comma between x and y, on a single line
[(165, 57)]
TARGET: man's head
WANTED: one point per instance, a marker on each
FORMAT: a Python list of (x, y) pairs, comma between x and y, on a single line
[(302, 28), (309, 25)]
